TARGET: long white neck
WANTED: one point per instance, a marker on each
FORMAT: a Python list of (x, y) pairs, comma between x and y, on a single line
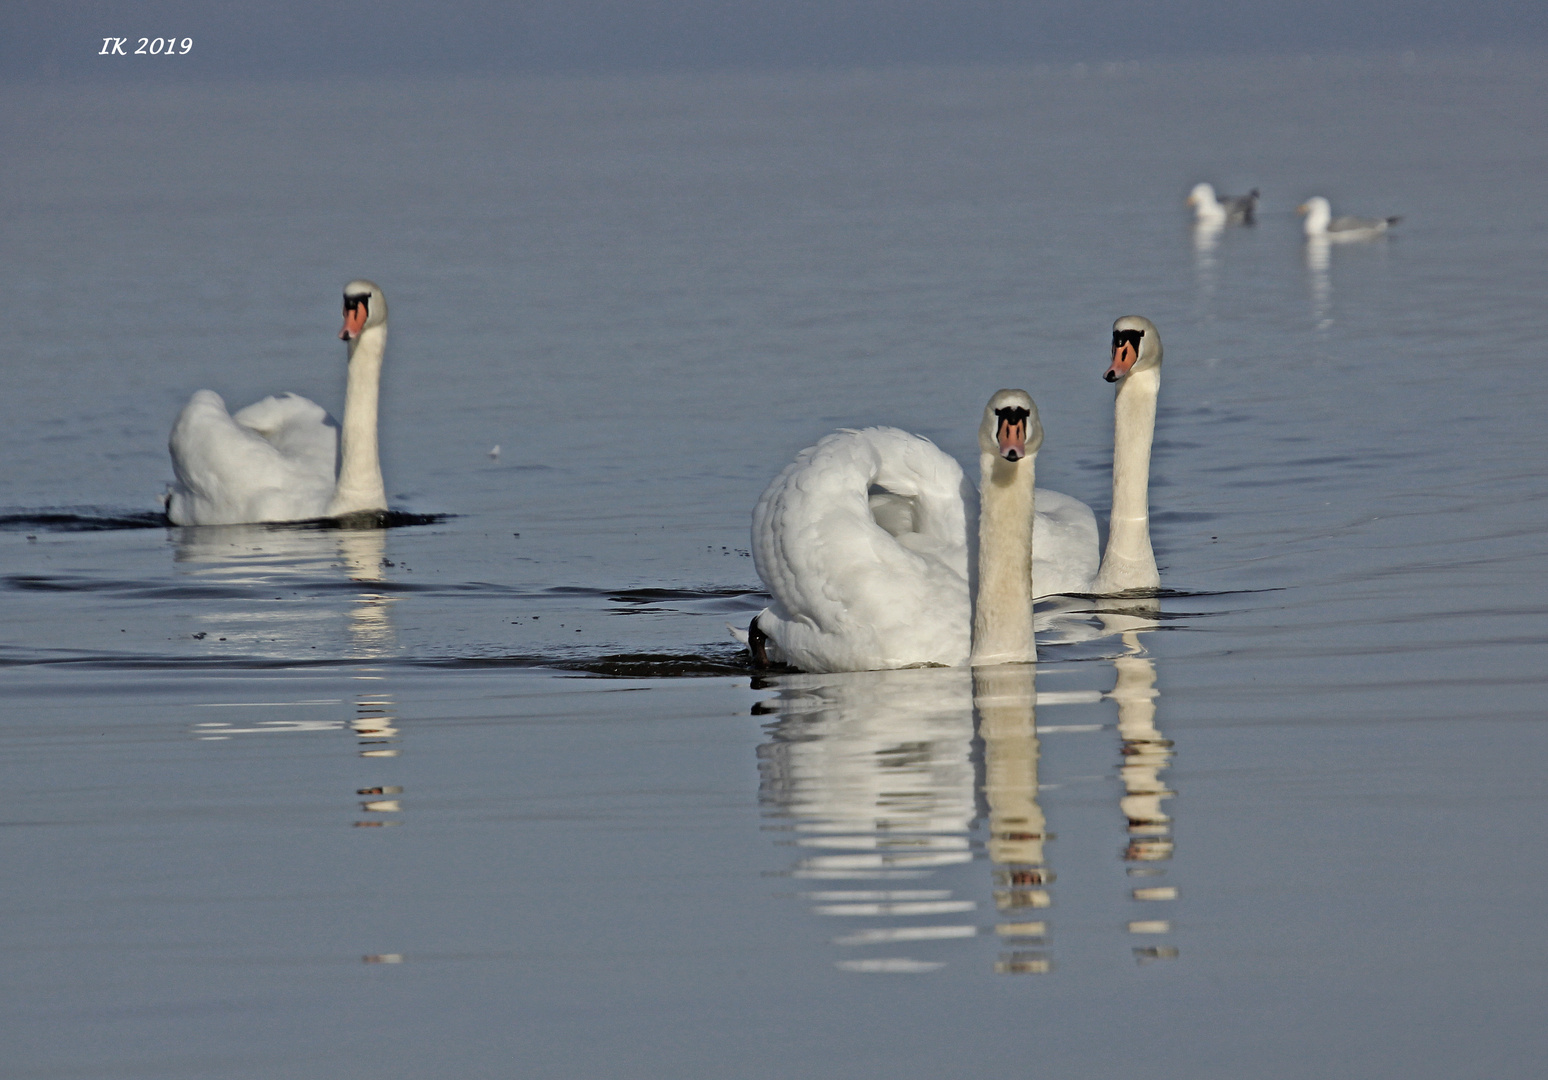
[(1129, 563), (1002, 611), (360, 485)]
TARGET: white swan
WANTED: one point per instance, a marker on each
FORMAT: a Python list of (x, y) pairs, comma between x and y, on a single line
[(1065, 545), (863, 542), (1210, 210), (1321, 224), (281, 459)]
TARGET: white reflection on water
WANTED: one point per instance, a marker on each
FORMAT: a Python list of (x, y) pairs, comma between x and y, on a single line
[(1318, 256), (1146, 754), (284, 557), (876, 775), (1206, 239)]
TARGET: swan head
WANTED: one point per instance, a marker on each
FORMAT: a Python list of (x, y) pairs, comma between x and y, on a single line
[(364, 307), (1202, 195), (1011, 428), (1136, 347)]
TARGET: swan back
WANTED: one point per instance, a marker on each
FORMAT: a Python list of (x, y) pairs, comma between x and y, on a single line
[(272, 461), (849, 593)]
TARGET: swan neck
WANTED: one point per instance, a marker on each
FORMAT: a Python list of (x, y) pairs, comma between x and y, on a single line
[(1129, 562), (360, 487), (1002, 609)]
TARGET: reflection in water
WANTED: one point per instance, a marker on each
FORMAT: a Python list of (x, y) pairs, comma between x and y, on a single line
[(364, 553), (376, 733), (373, 726), (252, 560), (1006, 698), (1146, 753), (1206, 239), (257, 562), (1318, 255), (872, 771), (874, 776)]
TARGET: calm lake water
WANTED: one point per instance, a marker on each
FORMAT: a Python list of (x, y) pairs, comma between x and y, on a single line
[(496, 796)]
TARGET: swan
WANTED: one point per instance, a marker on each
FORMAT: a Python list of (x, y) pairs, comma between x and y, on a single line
[(1210, 210), (284, 458), (1321, 224), (1067, 558), (863, 543)]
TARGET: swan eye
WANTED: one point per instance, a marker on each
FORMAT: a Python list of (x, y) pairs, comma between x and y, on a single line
[(1012, 414), (1127, 337), (353, 302)]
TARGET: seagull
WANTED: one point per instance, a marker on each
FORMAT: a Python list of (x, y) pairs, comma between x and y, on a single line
[(1224, 209), (1321, 224)]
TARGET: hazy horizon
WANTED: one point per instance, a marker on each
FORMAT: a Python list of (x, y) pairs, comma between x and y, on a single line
[(288, 39)]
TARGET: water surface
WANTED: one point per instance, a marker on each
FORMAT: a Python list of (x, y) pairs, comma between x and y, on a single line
[(496, 795)]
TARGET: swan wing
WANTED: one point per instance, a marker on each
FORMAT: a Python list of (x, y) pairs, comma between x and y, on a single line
[(850, 594), (299, 428), (1066, 552), (272, 461)]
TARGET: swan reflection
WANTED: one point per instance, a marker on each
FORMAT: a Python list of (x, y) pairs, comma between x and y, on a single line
[(245, 563), (890, 783), (1146, 755), (1006, 699), (877, 765), (876, 776), (281, 590)]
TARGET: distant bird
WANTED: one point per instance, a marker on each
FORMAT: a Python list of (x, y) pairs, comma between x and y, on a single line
[(1322, 225), (284, 458), (1224, 209), (494, 451)]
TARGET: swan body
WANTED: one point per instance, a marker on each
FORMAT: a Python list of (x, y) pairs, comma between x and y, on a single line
[(1066, 548), (864, 543), (1321, 224), (1208, 209), (1068, 557), (284, 458)]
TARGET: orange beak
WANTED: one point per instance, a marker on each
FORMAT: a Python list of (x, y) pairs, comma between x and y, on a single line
[(354, 321), (1013, 439), (1124, 355)]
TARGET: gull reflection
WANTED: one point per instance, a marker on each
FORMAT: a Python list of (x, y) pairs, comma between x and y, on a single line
[(280, 588), (1206, 239), (1318, 256)]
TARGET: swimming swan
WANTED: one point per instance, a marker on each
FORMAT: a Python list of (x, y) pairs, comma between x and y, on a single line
[(281, 459), (1065, 543), (863, 542)]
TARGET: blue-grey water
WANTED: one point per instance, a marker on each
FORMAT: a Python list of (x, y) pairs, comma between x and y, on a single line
[(496, 796)]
